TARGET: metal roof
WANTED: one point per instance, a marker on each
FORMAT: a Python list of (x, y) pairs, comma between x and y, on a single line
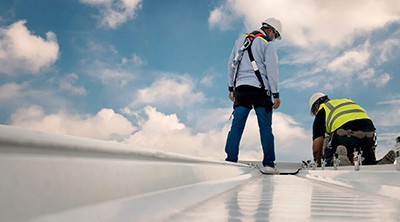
[(293, 198), (50, 177)]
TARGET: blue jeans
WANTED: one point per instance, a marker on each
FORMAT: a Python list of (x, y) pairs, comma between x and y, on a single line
[(264, 118)]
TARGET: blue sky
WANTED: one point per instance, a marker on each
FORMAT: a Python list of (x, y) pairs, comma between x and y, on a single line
[(154, 73)]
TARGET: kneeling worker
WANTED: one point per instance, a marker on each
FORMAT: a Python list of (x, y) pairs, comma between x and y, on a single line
[(349, 128)]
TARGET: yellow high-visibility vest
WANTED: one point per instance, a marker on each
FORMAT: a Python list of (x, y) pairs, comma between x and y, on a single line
[(341, 111)]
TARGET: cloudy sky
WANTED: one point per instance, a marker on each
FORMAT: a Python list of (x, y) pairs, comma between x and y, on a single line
[(154, 73)]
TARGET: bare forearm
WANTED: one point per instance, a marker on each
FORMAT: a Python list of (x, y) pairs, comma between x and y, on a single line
[(317, 149)]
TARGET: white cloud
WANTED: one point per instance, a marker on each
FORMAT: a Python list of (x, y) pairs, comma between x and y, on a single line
[(114, 77), (391, 102), (288, 131), (386, 117), (389, 117), (299, 83), (157, 130), (291, 140), (220, 18), (105, 125), (67, 83), (23, 52), (351, 67), (170, 91), (351, 61), (326, 31), (115, 12), (330, 23), (104, 63), (10, 91), (207, 80), (371, 77), (14, 95), (97, 2), (388, 113), (159, 123), (135, 60), (207, 119), (166, 132), (129, 112), (388, 49)]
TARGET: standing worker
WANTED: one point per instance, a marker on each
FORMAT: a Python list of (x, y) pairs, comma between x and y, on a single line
[(349, 130), (252, 81)]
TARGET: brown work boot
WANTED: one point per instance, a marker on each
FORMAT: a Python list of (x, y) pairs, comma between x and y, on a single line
[(387, 159)]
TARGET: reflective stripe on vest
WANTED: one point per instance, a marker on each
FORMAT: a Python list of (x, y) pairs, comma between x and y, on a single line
[(341, 111)]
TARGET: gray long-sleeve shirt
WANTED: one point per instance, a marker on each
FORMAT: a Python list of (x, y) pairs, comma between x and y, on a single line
[(265, 55)]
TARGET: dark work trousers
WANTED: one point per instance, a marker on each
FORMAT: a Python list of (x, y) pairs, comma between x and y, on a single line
[(366, 145)]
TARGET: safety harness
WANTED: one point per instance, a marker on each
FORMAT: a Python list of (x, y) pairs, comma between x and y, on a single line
[(356, 134), (239, 55)]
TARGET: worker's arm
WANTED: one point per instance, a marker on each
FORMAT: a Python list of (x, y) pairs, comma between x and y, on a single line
[(317, 149), (232, 96), (277, 103)]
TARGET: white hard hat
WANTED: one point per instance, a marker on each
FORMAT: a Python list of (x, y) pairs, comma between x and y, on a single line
[(314, 99), (274, 23)]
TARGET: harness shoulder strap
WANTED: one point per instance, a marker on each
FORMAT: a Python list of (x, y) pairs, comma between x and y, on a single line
[(253, 36), (247, 46), (256, 34)]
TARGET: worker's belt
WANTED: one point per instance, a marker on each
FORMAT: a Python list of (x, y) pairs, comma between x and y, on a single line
[(356, 134)]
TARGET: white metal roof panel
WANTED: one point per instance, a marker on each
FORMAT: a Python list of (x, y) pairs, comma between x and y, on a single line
[(292, 198), (48, 177)]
